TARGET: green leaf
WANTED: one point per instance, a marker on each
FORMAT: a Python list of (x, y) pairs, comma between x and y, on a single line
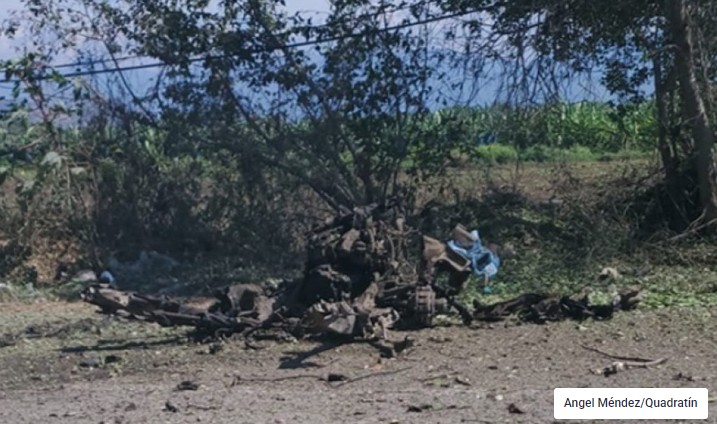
[(57, 77)]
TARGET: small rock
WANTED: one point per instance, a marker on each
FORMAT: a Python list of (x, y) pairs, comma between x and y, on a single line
[(112, 359), (513, 409), (336, 377), (462, 381), (187, 385), (684, 377), (407, 343), (419, 408), (170, 407), (215, 348), (91, 362)]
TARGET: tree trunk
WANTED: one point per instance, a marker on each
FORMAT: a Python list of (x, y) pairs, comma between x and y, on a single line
[(668, 152), (704, 139), (669, 157)]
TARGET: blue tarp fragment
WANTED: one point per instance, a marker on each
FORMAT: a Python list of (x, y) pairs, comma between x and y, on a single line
[(484, 262)]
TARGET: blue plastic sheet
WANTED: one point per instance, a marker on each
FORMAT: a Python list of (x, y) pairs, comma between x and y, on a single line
[(484, 262)]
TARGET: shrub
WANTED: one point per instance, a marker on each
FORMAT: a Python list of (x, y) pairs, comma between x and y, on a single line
[(496, 153), (579, 153), (537, 153)]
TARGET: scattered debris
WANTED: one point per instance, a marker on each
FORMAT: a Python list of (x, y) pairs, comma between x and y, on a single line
[(333, 380), (92, 362), (462, 381), (618, 366), (150, 266), (84, 276), (358, 283), (187, 385), (238, 379), (215, 348), (201, 407), (97, 361), (623, 362), (333, 377), (371, 375), (419, 408), (442, 380), (484, 261), (683, 377), (612, 356), (106, 277), (8, 339), (404, 345), (609, 273), (539, 308), (112, 359), (170, 407), (513, 409)]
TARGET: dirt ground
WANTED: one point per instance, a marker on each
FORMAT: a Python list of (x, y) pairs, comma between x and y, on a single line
[(74, 366)]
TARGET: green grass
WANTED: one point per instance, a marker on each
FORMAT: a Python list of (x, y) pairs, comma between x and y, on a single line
[(503, 154), (496, 153), (663, 287), (563, 251)]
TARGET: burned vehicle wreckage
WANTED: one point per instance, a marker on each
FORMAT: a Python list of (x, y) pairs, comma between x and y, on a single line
[(358, 282)]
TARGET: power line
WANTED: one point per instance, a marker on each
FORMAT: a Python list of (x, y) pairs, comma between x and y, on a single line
[(96, 62), (81, 64), (307, 43)]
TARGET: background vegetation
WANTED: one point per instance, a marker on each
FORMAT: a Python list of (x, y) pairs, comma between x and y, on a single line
[(259, 125)]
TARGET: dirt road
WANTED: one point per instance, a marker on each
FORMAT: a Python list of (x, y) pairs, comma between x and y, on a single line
[(82, 369)]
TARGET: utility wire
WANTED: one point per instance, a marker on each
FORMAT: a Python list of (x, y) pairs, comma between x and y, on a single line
[(81, 64), (254, 51)]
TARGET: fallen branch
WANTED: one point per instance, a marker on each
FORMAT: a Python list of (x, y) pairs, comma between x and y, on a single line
[(618, 357), (695, 227), (616, 367), (647, 364), (202, 407), (375, 374), (237, 379)]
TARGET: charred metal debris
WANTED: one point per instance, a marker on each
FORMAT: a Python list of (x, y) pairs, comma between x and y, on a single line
[(359, 281)]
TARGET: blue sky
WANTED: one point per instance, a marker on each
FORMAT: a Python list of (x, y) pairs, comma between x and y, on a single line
[(6, 46), (316, 8)]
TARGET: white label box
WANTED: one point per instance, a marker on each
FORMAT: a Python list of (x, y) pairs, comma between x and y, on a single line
[(631, 404)]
